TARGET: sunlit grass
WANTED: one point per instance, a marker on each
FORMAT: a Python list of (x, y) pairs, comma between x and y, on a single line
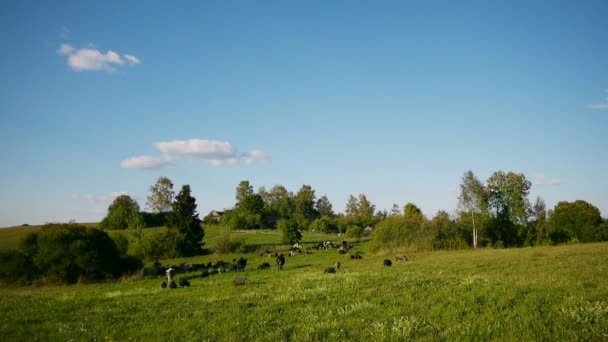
[(541, 293)]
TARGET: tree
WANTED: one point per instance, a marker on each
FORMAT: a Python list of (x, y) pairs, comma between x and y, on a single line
[(352, 207), (324, 207), (412, 213), (366, 210), (281, 202), (185, 225), (243, 190), (472, 199), (291, 233), (251, 210), (304, 205), (161, 196), (395, 211), (123, 213), (324, 224), (539, 212), (508, 205), (576, 220)]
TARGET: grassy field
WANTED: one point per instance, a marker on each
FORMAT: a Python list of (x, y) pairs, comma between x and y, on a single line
[(540, 293)]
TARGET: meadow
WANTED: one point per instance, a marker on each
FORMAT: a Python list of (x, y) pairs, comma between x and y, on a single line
[(539, 293)]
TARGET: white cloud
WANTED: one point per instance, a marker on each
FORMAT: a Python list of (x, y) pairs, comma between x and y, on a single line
[(255, 156), (132, 59), (220, 162), (146, 162), (101, 198), (216, 153), (90, 59), (541, 180), (598, 106), (206, 149)]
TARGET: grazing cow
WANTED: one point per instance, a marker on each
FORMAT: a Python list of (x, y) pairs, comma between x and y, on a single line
[(338, 265), (388, 263), (342, 250), (356, 256), (280, 261), (170, 274), (329, 269), (238, 281), (240, 264), (184, 283), (264, 266), (400, 257)]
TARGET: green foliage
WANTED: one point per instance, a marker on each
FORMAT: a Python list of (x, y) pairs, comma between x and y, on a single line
[(354, 232), (184, 225), (65, 253), (228, 243), (243, 190), (290, 231), (121, 242), (576, 220), (16, 267), (413, 214), (123, 213), (161, 196), (359, 211), (324, 224), (150, 220), (324, 207)]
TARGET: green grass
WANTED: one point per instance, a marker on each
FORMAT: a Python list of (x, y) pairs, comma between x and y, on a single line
[(540, 293)]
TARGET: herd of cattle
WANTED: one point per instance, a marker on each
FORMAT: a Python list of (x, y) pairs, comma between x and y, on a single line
[(239, 265)]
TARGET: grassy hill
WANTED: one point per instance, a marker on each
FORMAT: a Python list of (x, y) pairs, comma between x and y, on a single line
[(540, 293)]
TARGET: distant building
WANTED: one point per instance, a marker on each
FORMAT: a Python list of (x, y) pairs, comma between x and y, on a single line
[(216, 215)]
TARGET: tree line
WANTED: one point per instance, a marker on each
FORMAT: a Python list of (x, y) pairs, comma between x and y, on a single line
[(494, 213)]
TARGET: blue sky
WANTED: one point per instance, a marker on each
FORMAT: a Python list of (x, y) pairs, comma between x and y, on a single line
[(394, 99)]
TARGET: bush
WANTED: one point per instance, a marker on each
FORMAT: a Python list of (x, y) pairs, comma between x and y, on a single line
[(16, 267), (228, 244), (354, 232), (66, 253), (291, 233)]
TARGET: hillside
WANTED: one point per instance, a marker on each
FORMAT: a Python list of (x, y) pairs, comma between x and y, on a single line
[(540, 293)]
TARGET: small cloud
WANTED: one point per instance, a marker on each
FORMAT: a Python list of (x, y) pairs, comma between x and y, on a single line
[(598, 106), (101, 198), (255, 156), (206, 149), (91, 59), (132, 59), (541, 180), (146, 162), (216, 153)]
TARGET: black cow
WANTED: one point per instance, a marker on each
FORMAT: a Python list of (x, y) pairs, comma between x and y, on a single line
[(280, 261), (388, 263)]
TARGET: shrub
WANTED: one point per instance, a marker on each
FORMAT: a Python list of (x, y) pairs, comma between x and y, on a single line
[(228, 244), (354, 232), (66, 253)]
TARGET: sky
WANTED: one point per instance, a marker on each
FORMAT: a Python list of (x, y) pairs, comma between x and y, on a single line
[(393, 99)]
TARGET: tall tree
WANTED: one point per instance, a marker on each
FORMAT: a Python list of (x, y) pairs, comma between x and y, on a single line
[(305, 202), (471, 199), (395, 211), (509, 206), (281, 201), (324, 207), (352, 207), (243, 190), (185, 224), (161, 195), (123, 213), (539, 210), (366, 210)]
